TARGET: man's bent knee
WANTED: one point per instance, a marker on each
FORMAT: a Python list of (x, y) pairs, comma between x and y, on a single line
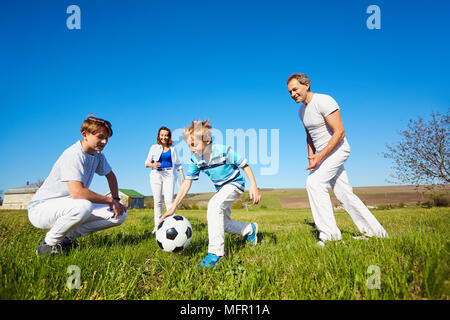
[(84, 208), (121, 219)]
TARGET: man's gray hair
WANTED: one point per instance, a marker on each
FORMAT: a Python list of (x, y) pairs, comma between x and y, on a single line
[(300, 77)]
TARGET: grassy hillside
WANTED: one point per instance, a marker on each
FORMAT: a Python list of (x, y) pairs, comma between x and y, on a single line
[(297, 198), (126, 262)]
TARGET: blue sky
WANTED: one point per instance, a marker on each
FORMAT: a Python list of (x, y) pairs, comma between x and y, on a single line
[(144, 64)]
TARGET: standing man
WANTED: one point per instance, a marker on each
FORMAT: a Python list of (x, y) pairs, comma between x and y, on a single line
[(328, 149)]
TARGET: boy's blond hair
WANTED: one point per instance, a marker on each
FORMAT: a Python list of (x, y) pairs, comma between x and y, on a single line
[(92, 125), (198, 129)]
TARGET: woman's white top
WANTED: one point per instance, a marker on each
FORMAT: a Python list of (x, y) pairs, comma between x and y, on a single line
[(155, 153)]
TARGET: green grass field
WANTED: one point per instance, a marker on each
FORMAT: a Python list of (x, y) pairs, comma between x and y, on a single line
[(126, 262)]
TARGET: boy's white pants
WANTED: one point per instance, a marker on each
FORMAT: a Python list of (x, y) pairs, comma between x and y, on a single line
[(162, 181), (72, 218), (219, 219), (331, 171)]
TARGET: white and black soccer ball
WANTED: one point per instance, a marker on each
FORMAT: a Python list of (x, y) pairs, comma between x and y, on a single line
[(174, 233)]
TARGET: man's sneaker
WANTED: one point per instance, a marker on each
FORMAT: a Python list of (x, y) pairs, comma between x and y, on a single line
[(253, 237), (210, 261), (361, 238), (45, 249), (67, 243), (320, 244)]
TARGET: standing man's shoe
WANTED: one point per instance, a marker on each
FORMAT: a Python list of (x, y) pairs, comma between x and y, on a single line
[(320, 244)]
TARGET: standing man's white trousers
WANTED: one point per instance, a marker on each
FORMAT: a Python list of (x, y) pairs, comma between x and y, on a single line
[(162, 182), (72, 218), (331, 171), (219, 219)]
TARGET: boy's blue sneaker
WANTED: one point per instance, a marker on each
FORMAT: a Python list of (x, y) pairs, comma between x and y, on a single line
[(210, 261), (253, 237)]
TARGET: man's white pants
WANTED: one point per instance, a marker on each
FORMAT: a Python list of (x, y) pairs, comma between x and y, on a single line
[(331, 171), (219, 219), (72, 218), (162, 181)]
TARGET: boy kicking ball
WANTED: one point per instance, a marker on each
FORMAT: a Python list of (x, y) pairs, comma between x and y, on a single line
[(222, 165), (65, 205)]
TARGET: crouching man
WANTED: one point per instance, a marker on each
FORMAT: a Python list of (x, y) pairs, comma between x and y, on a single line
[(65, 205)]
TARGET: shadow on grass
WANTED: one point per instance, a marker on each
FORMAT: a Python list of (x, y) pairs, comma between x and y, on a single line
[(198, 246), (269, 237), (233, 243), (316, 232), (195, 248), (351, 234), (109, 240), (199, 226)]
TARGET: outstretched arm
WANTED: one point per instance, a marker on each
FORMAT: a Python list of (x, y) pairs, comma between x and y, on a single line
[(184, 189), (254, 191), (180, 170)]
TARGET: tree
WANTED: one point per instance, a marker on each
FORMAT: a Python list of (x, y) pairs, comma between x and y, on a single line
[(37, 184), (422, 156)]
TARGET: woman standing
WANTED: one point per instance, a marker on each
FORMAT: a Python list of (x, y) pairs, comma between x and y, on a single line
[(163, 160)]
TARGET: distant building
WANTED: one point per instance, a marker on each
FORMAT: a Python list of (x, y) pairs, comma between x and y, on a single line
[(18, 198), (131, 199)]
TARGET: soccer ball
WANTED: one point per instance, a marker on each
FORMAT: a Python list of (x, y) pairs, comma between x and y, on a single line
[(174, 233)]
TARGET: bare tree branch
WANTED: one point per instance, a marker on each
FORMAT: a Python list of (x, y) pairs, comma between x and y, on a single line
[(422, 156)]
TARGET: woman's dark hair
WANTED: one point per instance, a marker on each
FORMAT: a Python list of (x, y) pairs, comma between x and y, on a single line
[(170, 136)]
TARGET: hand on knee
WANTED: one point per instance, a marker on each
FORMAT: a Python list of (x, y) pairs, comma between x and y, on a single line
[(121, 219)]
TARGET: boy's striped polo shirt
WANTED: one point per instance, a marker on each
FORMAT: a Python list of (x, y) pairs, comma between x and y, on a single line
[(222, 169)]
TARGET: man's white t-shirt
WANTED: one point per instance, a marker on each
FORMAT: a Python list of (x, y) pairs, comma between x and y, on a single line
[(313, 117), (73, 165)]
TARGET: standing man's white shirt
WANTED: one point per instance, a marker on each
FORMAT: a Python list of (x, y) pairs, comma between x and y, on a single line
[(313, 117)]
